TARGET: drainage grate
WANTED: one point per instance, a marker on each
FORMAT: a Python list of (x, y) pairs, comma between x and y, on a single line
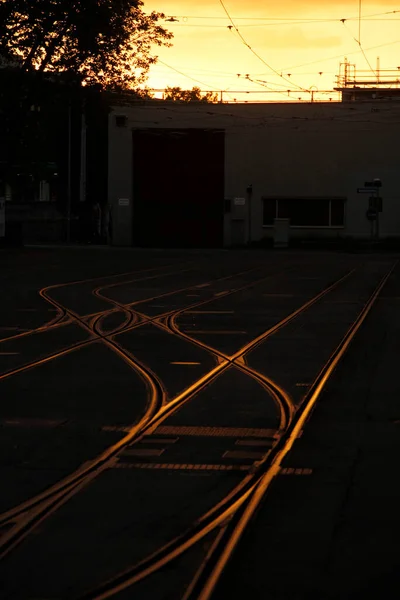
[(238, 432), (180, 467), (297, 471)]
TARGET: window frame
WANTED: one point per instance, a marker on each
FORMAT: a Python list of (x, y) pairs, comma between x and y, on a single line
[(299, 198)]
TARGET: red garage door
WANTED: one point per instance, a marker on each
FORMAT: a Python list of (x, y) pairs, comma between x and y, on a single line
[(178, 188)]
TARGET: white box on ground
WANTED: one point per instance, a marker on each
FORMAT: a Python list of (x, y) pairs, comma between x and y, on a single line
[(281, 233)]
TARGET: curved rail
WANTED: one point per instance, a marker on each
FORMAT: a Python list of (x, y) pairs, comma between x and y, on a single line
[(230, 505), (61, 313), (52, 498), (270, 468), (234, 516), (60, 492)]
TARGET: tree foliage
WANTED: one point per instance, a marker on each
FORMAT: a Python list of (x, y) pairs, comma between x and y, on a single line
[(176, 94), (106, 43)]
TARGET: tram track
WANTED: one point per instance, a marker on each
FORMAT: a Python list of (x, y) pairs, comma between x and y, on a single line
[(57, 321), (57, 494), (93, 325), (33, 512), (230, 517)]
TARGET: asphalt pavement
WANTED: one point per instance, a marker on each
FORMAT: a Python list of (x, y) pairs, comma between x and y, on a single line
[(99, 346)]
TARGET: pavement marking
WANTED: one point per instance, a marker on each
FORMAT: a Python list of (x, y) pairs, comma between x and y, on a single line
[(210, 312), (32, 422), (298, 471), (177, 362), (116, 428), (303, 384), (212, 332), (342, 302), (149, 439), (193, 295), (278, 295), (236, 432), (13, 329), (8, 353), (143, 451), (243, 454), (221, 293), (267, 443), (202, 285), (180, 467)]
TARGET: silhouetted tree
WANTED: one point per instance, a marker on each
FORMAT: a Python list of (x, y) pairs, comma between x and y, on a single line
[(98, 41), (52, 52), (177, 94)]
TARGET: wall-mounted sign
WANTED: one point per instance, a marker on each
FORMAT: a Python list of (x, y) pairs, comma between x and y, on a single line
[(123, 201), (239, 201)]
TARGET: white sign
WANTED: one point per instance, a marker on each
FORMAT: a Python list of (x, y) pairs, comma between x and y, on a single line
[(123, 202), (2, 217), (366, 191), (239, 201)]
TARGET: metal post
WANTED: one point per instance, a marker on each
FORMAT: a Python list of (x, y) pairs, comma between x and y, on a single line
[(371, 241), (69, 177), (377, 214), (249, 191)]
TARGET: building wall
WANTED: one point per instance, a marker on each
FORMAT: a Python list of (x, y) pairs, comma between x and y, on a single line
[(292, 150), (120, 184)]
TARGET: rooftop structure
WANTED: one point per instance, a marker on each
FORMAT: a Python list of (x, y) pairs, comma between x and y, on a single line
[(367, 85)]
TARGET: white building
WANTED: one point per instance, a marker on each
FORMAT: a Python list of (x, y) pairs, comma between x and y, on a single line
[(219, 174)]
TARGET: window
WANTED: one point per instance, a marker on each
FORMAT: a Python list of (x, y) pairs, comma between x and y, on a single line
[(121, 120), (305, 212)]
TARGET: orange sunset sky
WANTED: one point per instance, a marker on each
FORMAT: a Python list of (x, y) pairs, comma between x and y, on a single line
[(305, 41)]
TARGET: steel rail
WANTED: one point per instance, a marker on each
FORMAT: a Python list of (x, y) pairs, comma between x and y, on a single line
[(127, 328), (227, 507), (11, 538), (227, 543), (67, 485), (57, 320)]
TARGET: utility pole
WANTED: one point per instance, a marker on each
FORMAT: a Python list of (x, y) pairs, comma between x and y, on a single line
[(69, 176)]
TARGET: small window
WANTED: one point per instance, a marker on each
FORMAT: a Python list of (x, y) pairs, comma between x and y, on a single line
[(305, 212), (309, 213), (121, 120)]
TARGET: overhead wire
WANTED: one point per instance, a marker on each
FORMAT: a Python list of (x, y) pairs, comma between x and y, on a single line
[(319, 60), (213, 88), (360, 46), (253, 51), (265, 84), (280, 74), (290, 19), (187, 76)]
